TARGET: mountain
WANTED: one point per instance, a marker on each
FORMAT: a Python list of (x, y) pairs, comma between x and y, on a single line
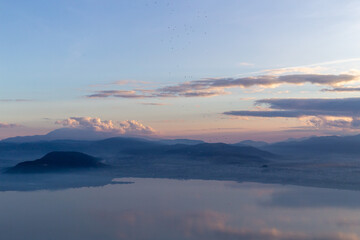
[(58, 161), (213, 152), (119, 149), (16, 152), (88, 135), (63, 133), (180, 141), (324, 146), (251, 143)]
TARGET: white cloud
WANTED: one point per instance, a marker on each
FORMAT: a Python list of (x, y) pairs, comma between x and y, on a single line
[(323, 122), (128, 127)]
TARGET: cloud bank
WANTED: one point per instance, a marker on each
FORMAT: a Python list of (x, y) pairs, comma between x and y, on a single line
[(342, 89), (128, 127), (320, 106), (116, 93), (301, 107), (210, 87), (326, 113)]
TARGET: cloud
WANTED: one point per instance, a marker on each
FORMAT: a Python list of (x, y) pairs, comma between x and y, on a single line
[(285, 114), (155, 94), (128, 127), (327, 106), (342, 89), (307, 70), (116, 93), (8, 125), (247, 99), (210, 87), (264, 81), (322, 122), (203, 93), (126, 82), (311, 68), (120, 82), (154, 104), (326, 113)]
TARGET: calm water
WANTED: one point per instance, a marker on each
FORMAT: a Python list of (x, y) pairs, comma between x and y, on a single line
[(176, 209)]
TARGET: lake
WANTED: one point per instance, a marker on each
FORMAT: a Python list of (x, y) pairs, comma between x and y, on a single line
[(146, 208)]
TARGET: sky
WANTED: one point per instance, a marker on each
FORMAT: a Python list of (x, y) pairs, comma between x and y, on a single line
[(212, 70)]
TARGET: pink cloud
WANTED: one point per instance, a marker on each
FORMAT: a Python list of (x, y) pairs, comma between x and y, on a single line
[(131, 127)]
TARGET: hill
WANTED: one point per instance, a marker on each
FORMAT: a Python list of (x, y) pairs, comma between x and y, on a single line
[(58, 161), (318, 146), (219, 153)]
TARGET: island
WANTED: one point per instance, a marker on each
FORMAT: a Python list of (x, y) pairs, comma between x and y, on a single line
[(58, 161)]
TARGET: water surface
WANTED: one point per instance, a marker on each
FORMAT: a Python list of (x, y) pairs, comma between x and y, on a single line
[(181, 209)]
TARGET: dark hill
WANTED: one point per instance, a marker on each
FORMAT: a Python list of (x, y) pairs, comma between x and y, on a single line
[(218, 149), (58, 161), (218, 152)]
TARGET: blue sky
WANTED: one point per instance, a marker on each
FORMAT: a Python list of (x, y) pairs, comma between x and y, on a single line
[(55, 53)]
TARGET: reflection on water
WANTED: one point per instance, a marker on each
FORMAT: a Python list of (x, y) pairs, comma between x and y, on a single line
[(175, 209)]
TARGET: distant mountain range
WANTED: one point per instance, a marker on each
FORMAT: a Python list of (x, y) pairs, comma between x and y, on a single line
[(318, 146), (64, 133), (220, 153), (122, 150), (86, 135), (318, 161), (119, 148), (251, 143)]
